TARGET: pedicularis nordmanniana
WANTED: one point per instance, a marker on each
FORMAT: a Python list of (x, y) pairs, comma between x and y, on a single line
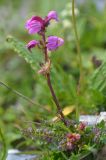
[(38, 25)]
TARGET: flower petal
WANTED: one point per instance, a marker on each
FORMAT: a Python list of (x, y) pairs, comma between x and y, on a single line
[(60, 42), (34, 25), (32, 44), (52, 15), (54, 42)]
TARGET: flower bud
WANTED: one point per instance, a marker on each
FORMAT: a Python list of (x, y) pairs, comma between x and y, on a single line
[(52, 15), (32, 44)]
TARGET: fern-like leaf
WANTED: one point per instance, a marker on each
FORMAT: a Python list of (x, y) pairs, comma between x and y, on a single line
[(19, 47), (98, 79)]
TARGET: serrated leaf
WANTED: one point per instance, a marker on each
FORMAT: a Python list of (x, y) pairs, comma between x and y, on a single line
[(20, 48)]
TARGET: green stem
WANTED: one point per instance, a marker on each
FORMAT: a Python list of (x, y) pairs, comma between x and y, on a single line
[(80, 83), (19, 94), (4, 146)]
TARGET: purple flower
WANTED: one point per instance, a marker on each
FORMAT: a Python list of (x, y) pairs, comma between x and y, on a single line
[(37, 24), (34, 25), (32, 44), (54, 42), (52, 15)]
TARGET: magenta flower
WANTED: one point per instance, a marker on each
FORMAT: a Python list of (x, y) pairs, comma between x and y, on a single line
[(34, 25), (37, 24), (54, 42), (52, 15), (32, 44)]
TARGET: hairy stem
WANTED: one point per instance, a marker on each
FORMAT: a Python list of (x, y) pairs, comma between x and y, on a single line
[(50, 84), (80, 83)]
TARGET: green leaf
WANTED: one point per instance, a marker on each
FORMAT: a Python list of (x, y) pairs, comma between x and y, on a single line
[(98, 79), (19, 47), (74, 157)]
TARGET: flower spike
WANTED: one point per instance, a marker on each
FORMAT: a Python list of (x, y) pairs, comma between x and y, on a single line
[(38, 25)]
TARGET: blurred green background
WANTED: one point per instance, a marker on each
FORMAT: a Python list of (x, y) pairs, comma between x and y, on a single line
[(18, 75)]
